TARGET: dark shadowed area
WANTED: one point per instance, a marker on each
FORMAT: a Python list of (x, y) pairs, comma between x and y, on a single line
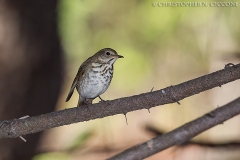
[(31, 67)]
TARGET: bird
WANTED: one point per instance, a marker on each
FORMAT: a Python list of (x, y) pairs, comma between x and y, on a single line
[(94, 76)]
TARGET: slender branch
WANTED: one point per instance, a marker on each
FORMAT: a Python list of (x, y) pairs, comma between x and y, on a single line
[(233, 143), (181, 134), (18, 127)]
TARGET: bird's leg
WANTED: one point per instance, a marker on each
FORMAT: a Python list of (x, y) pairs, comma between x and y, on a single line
[(84, 101), (101, 99), (88, 102)]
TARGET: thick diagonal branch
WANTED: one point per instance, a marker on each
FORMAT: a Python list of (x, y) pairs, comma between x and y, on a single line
[(172, 94), (181, 134)]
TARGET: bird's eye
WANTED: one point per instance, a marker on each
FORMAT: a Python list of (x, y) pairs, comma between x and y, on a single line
[(108, 53)]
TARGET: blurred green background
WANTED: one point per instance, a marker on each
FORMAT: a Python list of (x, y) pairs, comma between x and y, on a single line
[(162, 46)]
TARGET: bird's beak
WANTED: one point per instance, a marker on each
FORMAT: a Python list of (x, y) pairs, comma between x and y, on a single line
[(119, 56)]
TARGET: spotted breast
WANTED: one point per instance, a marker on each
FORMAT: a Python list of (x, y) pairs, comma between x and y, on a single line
[(96, 81)]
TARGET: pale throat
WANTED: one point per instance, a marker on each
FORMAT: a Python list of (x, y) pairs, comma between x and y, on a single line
[(100, 66)]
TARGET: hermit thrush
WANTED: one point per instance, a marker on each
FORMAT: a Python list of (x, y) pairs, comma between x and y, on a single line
[(94, 76)]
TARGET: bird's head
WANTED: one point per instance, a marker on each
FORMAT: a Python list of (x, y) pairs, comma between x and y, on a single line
[(108, 55)]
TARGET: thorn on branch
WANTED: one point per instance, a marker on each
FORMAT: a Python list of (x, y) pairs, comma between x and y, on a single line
[(23, 139), (24, 117), (173, 97), (8, 122), (175, 100), (148, 110), (178, 102), (164, 96), (229, 65), (125, 114), (152, 89)]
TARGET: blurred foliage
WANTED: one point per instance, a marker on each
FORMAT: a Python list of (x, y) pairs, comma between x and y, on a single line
[(52, 156), (79, 141)]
